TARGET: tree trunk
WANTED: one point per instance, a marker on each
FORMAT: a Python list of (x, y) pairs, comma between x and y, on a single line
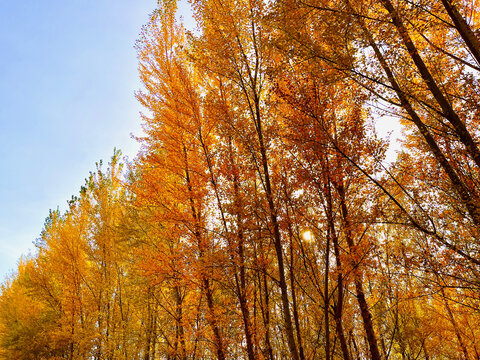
[(357, 275)]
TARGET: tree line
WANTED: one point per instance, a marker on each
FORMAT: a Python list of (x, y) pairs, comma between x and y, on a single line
[(261, 218)]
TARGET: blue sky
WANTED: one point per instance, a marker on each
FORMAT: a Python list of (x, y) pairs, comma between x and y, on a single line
[(68, 72)]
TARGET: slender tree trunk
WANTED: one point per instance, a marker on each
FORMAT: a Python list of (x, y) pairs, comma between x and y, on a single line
[(268, 351), (276, 237), (357, 275), (447, 110), (455, 325), (146, 355), (242, 282), (296, 317), (463, 29), (252, 95), (338, 310), (469, 200), (238, 259), (218, 343), (327, 297), (179, 321), (213, 321)]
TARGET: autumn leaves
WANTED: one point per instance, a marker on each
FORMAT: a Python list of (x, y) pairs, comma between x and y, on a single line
[(260, 219)]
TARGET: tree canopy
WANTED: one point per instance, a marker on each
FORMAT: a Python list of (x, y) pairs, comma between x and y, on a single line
[(262, 218)]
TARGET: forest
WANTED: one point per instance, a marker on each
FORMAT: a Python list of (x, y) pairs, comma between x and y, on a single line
[(263, 218)]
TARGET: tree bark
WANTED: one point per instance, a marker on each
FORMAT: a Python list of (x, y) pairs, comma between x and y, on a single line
[(357, 276)]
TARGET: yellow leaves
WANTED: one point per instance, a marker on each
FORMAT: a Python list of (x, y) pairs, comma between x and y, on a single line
[(260, 190)]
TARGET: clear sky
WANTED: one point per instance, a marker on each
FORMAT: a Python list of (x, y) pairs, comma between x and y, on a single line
[(68, 72)]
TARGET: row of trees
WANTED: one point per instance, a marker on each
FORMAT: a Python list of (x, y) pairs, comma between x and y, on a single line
[(261, 220)]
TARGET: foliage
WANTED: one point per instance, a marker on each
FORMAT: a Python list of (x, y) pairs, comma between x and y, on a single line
[(261, 219)]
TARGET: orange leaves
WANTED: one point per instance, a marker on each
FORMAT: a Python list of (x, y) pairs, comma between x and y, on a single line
[(260, 220)]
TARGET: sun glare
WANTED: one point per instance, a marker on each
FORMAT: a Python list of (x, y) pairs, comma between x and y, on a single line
[(307, 235)]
